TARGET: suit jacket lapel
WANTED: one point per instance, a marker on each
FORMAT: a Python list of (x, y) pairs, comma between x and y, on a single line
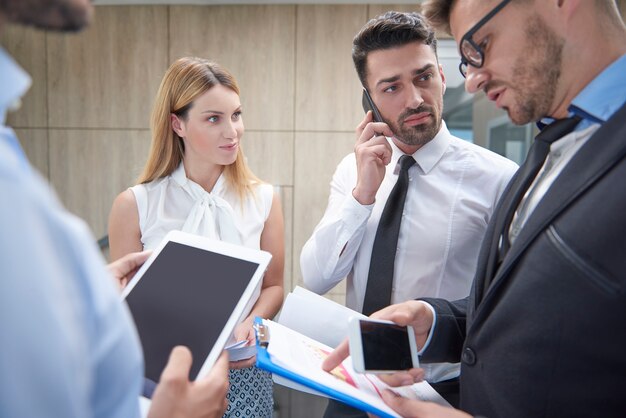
[(601, 152)]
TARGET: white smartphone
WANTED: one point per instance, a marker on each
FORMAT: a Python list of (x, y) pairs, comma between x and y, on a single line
[(381, 346)]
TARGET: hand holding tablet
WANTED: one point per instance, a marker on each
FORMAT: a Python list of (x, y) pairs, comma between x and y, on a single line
[(192, 291)]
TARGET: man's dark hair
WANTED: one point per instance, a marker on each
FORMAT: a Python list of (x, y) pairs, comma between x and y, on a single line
[(390, 30)]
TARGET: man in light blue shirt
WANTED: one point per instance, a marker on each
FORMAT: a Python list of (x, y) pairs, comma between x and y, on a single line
[(69, 348)]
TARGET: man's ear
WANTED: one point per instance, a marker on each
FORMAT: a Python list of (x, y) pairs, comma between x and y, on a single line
[(177, 125), (443, 79)]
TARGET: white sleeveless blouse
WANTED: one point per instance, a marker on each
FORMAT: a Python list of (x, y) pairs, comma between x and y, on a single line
[(177, 203)]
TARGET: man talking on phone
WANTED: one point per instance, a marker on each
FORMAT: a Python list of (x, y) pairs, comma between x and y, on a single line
[(69, 348), (408, 209)]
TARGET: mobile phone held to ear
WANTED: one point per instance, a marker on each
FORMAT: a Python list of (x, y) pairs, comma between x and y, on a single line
[(381, 346), (368, 104)]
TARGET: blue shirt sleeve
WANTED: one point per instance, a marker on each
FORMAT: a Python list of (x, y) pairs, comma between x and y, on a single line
[(68, 345)]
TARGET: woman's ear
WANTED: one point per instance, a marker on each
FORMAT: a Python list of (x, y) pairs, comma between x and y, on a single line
[(177, 125)]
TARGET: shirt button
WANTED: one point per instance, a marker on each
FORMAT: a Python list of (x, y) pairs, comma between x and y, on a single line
[(468, 357)]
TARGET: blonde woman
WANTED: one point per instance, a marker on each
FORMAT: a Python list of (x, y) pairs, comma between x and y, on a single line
[(196, 180)]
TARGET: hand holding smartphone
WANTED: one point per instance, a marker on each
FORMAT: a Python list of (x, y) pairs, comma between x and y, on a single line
[(381, 346)]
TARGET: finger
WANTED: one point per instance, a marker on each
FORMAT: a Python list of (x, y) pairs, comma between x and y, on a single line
[(178, 365), (401, 314), (408, 408), (377, 129), (369, 117), (381, 152), (224, 406), (243, 364), (372, 130), (216, 381), (220, 368), (404, 378), (338, 355), (127, 265), (136, 260)]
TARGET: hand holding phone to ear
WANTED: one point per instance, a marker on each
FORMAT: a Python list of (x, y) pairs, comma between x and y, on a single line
[(372, 151)]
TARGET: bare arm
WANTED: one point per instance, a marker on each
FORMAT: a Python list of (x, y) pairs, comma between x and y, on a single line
[(124, 233), (271, 298)]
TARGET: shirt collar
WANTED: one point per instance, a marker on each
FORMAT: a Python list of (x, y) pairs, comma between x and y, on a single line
[(14, 82), (183, 181), (601, 98), (606, 93), (430, 153)]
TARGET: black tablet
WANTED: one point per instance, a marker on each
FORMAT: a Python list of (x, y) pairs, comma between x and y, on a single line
[(192, 291)]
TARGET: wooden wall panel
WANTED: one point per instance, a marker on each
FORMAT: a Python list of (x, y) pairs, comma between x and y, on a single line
[(328, 92), (270, 155), (255, 43), (316, 157), (107, 76), (35, 145), (89, 168), (28, 47), (286, 200), (378, 9)]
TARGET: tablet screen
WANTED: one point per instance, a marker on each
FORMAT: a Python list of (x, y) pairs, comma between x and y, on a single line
[(186, 297)]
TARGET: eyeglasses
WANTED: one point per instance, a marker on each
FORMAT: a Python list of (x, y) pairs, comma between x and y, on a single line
[(472, 53)]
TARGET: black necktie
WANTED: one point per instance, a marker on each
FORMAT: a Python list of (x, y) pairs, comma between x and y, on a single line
[(527, 173), (380, 277)]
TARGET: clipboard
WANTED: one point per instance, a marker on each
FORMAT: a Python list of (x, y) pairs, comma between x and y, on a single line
[(323, 383)]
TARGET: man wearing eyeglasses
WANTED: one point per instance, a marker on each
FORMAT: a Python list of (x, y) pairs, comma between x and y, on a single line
[(543, 331)]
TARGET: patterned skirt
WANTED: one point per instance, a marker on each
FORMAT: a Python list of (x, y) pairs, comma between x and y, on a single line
[(250, 394)]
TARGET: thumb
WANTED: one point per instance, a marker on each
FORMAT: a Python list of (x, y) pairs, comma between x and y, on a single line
[(220, 368), (178, 365), (408, 408)]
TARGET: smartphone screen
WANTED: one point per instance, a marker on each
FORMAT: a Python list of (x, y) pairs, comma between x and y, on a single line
[(368, 104), (385, 346)]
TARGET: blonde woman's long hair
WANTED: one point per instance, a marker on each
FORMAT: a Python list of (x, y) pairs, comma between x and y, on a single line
[(185, 80)]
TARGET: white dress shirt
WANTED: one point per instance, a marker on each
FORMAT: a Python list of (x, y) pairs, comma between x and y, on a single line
[(561, 152), (177, 203), (453, 190)]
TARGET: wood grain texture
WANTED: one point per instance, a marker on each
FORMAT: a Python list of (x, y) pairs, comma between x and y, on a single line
[(28, 47), (286, 200), (328, 92), (270, 155), (255, 43), (316, 156), (108, 75), (89, 168)]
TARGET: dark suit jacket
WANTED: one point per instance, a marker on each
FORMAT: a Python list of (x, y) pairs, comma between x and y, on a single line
[(547, 336)]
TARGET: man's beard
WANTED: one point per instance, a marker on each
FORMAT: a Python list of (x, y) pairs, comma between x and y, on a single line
[(62, 15), (536, 74), (417, 135)]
